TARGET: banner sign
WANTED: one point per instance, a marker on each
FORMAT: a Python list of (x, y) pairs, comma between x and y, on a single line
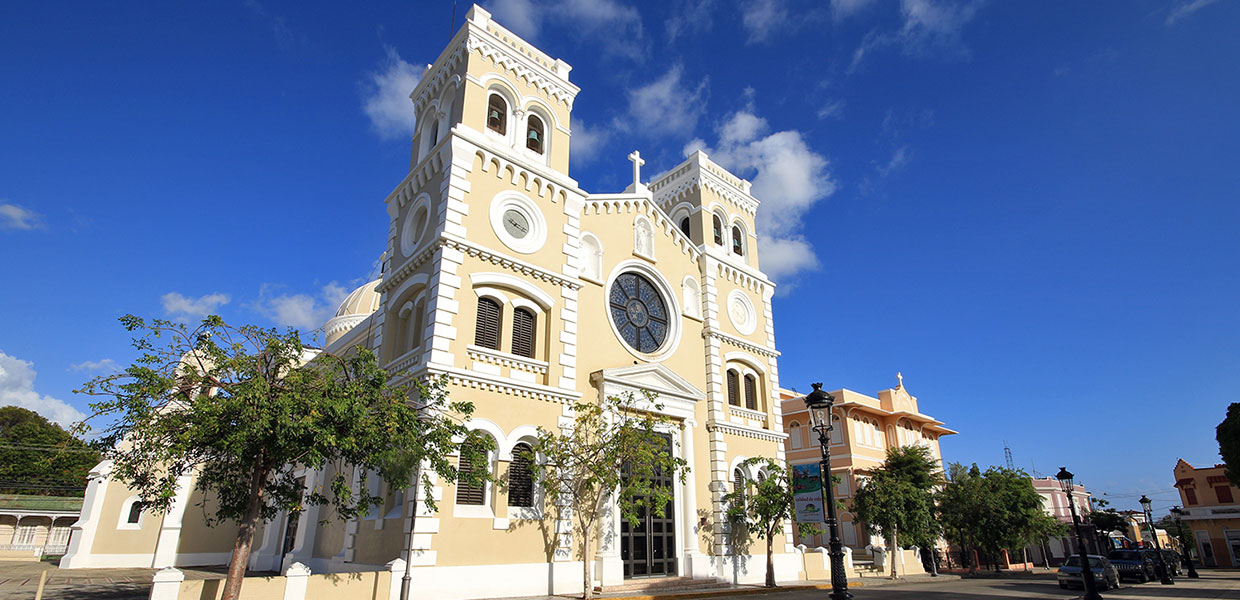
[(807, 493)]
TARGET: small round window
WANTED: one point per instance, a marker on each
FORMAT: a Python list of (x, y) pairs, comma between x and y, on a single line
[(638, 312)]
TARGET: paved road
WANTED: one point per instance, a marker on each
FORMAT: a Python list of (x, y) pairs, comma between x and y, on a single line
[(1216, 584)]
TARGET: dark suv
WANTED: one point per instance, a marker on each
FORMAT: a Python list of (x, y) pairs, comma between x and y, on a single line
[(1171, 558), (1133, 565)]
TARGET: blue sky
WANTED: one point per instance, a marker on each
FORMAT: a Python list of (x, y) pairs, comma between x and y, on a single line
[(1026, 208)]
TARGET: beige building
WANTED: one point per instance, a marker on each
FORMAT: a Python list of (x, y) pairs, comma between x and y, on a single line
[(531, 294), (864, 427), (1212, 511), (32, 527)]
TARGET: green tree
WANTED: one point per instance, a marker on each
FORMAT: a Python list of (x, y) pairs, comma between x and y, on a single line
[(613, 447), (764, 507), (237, 407), (993, 510), (38, 457), (898, 499), (961, 498), (1228, 436)]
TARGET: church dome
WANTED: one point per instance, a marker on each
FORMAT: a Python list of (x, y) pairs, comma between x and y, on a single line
[(358, 305)]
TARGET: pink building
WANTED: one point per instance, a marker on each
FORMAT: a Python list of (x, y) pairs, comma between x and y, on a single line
[(1055, 504)]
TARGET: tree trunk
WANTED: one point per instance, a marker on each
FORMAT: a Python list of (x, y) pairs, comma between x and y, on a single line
[(770, 561), (587, 582), (245, 535), (894, 553)]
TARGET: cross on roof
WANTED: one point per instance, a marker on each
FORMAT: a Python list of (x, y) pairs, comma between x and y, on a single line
[(636, 157)]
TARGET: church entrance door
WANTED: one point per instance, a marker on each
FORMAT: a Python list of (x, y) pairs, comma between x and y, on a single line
[(649, 548)]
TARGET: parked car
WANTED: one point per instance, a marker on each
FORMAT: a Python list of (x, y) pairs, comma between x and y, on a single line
[(1133, 565), (1103, 571)]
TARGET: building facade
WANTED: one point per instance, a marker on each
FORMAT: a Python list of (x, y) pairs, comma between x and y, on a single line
[(1055, 504), (32, 527), (1211, 511), (530, 294), (864, 427)]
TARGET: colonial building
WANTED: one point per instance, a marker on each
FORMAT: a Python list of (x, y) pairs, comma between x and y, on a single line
[(1212, 511), (1055, 504), (531, 294), (32, 527), (863, 429)]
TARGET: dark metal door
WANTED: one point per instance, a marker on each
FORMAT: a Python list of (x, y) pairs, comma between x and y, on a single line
[(649, 548)]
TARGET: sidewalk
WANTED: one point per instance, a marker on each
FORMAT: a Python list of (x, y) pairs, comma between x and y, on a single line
[(755, 590)]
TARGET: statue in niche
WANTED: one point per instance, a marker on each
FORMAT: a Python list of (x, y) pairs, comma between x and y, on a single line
[(643, 238)]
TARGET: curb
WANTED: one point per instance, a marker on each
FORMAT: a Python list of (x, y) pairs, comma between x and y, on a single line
[(762, 591)]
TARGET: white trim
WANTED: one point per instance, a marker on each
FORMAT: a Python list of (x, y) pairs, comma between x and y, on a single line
[(122, 521), (492, 293), (79, 553), (535, 238), (411, 240), (532, 291)]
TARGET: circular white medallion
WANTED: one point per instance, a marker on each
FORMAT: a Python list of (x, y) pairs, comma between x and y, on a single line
[(414, 229), (518, 223), (741, 312)]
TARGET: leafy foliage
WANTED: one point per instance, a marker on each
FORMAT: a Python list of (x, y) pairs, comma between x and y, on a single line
[(764, 507), (993, 510), (238, 407), (613, 447), (898, 499), (38, 457), (1228, 436)]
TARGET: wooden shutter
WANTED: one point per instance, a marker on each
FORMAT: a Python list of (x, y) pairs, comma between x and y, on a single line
[(751, 393), (523, 332), (1190, 495), (1224, 494), (733, 395), (487, 332), (738, 483), (466, 493), (520, 480)]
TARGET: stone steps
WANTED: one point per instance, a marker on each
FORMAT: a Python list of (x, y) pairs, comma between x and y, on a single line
[(664, 584)]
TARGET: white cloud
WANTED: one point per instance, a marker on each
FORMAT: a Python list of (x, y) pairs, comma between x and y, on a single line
[(106, 364), (587, 142), (613, 27), (928, 27), (842, 9), (665, 106), (17, 389), (762, 18), (788, 177), (833, 109), (13, 216), (899, 158), (304, 312), (1186, 9), (386, 97), (690, 16), (177, 305)]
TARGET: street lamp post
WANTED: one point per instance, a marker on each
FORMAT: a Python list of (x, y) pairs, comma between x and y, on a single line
[(1087, 572), (1165, 576), (819, 404), (1179, 531)]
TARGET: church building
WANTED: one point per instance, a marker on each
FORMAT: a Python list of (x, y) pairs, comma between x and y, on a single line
[(530, 294)]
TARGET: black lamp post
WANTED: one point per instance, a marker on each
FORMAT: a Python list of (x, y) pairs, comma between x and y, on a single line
[(819, 404), (1087, 572), (1165, 575), (1184, 544)]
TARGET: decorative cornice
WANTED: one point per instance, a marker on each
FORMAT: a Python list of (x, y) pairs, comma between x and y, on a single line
[(623, 203), (709, 332), (765, 435), (700, 172), (511, 387), (744, 278), (508, 262), (393, 279), (507, 55)]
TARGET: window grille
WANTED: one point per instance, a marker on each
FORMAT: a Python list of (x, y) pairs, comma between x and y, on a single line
[(487, 334), (523, 332), (520, 479)]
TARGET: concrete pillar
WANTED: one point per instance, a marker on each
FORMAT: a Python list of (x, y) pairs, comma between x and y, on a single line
[(397, 568), (166, 584), (296, 578)]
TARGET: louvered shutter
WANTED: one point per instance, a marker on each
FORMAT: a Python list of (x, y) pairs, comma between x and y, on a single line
[(738, 483), (487, 333), (523, 333), (465, 492), (751, 393), (733, 394), (520, 481)]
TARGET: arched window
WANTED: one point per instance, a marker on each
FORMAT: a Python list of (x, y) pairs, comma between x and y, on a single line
[(520, 479), (684, 226), (468, 493), (718, 228), (489, 315), (135, 513), (534, 134), (523, 321), (794, 436), (497, 114), (738, 241), (434, 133), (751, 392), (734, 396), (837, 430)]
